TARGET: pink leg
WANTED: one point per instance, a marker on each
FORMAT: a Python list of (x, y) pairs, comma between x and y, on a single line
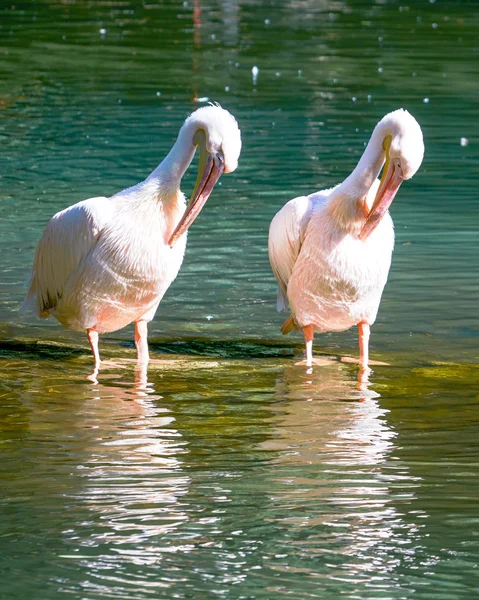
[(141, 341), (308, 332), (93, 339), (363, 334)]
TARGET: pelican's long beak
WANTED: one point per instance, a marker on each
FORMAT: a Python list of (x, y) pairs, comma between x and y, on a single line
[(391, 179), (210, 170)]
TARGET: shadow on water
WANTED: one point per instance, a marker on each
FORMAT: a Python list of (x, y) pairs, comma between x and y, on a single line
[(225, 348), (229, 349)]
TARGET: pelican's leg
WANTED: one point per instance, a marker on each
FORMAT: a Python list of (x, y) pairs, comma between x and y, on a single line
[(363, 334), (308, 332), (141, 341), (93, 339)]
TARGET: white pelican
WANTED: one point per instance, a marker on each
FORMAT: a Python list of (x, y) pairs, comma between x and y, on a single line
[(331, 251), (106, 262)]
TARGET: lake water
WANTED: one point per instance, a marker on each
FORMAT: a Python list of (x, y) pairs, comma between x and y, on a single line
[(227, 470)]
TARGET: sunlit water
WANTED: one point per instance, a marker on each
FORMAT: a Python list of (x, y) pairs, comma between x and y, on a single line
[(227, 470)]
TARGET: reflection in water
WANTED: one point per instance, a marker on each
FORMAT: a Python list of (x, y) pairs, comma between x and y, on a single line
[(113, 459), (344, 423), (340, 480), (249, 473), (132, 485)]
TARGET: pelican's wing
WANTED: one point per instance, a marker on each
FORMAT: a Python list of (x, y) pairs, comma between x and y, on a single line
[(68, 237), (286, 234)]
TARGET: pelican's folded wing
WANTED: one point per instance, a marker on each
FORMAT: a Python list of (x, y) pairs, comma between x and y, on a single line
[(68, 238), (286, 234)]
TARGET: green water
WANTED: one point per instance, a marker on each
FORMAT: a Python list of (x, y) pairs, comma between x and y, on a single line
[(227, 470)]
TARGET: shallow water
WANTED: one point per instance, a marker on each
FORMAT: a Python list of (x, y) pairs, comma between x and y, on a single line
[(227, 470)]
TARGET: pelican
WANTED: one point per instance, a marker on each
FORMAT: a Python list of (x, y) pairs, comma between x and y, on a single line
[(106, 262), (331, 251)]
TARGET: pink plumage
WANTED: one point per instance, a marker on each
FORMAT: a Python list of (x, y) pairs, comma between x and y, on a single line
[(106, 262), (331, 251)]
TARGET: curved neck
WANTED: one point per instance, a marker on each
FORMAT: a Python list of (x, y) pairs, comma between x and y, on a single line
[(350, 201), (169, 172)]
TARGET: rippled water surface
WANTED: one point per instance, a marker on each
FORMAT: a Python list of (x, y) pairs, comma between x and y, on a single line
[(227, 470)]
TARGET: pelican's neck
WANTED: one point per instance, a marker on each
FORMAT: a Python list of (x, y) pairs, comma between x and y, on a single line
[(169, 172), (350, 202)]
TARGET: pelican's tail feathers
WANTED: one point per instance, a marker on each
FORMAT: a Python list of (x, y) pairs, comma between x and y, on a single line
[(282, 300), (288, 326), (29, 300)]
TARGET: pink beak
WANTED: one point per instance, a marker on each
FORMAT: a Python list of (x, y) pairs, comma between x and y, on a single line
[(212, 172), (390, 182)]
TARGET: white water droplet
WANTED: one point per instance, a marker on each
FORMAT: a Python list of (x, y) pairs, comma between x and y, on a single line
[(464, 141), (426, 100), (102, 31)]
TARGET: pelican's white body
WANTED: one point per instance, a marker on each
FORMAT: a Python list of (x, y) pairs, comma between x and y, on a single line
[(330, 275), (330, 278), (106, 262)]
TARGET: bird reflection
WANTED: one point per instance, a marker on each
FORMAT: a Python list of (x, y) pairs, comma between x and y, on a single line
[(140, 371), (333, 410), (340, 481), (326, 379), (132, 478), (104, 469)]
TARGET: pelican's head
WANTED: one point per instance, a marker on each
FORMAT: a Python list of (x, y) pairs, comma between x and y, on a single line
[(403, 145), (216, 133)]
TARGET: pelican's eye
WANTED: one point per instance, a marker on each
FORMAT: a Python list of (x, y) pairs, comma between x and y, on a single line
[(219, 159), (398, 168)]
